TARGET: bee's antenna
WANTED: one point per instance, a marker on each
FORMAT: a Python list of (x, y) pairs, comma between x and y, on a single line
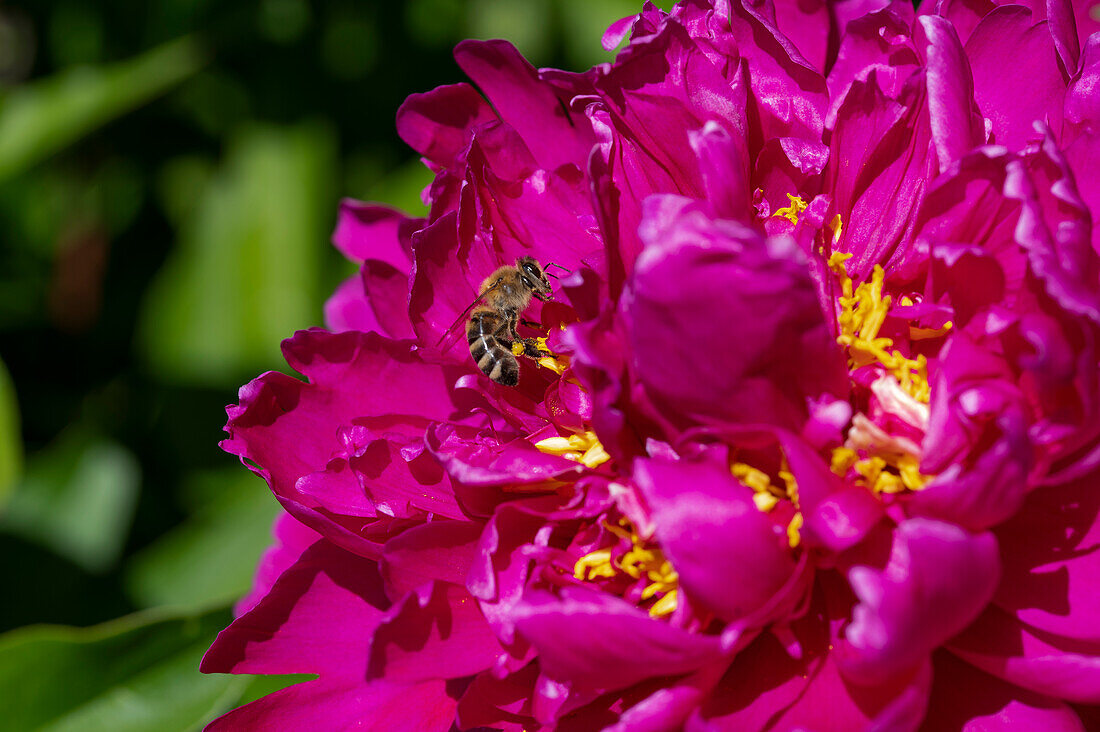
[(555, 264)]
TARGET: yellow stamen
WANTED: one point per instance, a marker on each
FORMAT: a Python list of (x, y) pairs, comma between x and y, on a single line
[(640, 561), (766, 495), (584, 448), (863, 312), (792, 212), (885, 473), (837, 227), (921, 334), (594, 564), (665, 606), (794, 535)]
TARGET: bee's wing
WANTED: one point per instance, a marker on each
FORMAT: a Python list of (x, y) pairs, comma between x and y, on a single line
[(469, 307)]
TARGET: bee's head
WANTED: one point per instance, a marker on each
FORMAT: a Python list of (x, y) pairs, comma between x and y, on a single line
[(534, 278)]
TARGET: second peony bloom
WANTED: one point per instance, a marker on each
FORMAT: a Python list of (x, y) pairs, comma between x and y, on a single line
[(808, 438)]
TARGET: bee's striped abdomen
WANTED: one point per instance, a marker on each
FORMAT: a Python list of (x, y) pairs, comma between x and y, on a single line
[(490, 347)]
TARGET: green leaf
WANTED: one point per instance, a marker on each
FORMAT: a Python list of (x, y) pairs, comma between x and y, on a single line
[(11, 442), (401, 188), (40, 118), (77, 497), (139, 672), (212, 556), (246, 271), (523, 22)]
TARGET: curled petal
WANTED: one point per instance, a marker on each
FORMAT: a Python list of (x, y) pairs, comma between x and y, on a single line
[(970, 700), (1006, 648), (937, 580), (749, 365), (599, 642), (730, 557)]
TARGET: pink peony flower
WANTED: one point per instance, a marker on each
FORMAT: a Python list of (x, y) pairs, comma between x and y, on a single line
[(809, 437)]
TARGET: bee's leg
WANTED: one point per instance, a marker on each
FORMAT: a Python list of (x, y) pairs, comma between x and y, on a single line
[(530, 323), (513, 321), (531, 349)]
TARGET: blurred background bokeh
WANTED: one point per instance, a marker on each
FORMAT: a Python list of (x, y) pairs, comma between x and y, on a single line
[(169, 176)]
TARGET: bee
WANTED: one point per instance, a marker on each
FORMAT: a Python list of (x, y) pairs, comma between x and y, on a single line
[(495, 314)]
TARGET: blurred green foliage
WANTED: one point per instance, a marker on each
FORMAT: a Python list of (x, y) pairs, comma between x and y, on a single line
[(169, 177)]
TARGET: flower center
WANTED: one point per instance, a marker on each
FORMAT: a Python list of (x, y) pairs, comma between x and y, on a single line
[(767, 495), (863, 311), (642, 562)]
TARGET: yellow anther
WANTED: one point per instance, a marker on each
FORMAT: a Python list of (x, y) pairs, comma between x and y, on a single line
[(640, 561), (595, 456), (921, 334), (665, 606), (765, 501), (886, 473), (837, 227), (842, 460), (584, 448), (794, 535), (863, 312), (594, 564), (555, 362), (909, 469), (792, 212), (766, 495), (754, 478)]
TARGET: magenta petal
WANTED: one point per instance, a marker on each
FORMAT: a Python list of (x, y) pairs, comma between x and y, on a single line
[(790, 93), (438, 124), (402, 484), (436, 632), (511, 84), (598, 642), (337, 490), (880, 163), (292, 538), (370, 231), (318, 618), (349, 308), (1051, 566), (956, 123), (936, 582), (291, 429), (1009, 44), (378, 706), (724, 163), (439, 550), (836, 515), (748, 365), (766, 689), (1001, 645), (387, 289), (730, 557), (478, 461), (969, 700)]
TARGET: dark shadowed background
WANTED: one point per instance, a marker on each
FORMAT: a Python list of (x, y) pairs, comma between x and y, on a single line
[(169, 175)]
